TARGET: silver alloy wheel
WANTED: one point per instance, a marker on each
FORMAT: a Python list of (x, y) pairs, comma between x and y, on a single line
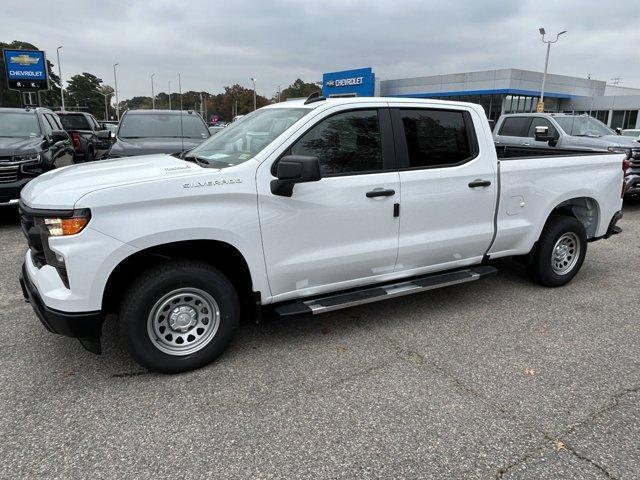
[(565, 253), (183, 321)]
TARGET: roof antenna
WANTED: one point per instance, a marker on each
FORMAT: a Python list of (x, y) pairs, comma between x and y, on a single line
[(181, 126)]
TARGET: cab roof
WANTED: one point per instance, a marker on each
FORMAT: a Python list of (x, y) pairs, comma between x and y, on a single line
[(383, 101)]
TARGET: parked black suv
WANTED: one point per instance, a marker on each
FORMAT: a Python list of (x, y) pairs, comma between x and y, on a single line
[(32, 141), (89, 139), (143, 132)]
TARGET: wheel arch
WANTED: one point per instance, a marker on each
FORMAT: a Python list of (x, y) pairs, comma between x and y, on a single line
[(585, 209), (221, 255)]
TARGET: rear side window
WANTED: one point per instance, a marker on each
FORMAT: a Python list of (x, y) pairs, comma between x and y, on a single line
[(515, 126), (437, 138), (345, 143)]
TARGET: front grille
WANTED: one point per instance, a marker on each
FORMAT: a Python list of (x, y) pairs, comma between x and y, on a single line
[(31, 229), (9, 174)]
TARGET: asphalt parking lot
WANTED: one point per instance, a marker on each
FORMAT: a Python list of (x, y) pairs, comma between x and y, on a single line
[(498, 378)]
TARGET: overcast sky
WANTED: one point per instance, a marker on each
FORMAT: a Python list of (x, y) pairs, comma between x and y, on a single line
[(218, 43)]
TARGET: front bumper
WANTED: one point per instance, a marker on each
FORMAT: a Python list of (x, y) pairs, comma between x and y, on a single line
[(11, 190), (82, 325), (632, 185)]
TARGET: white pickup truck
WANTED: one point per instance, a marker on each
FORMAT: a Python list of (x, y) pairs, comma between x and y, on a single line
[(303, 206)]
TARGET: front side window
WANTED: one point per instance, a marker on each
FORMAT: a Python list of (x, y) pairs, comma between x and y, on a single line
[(436, 137), (160, 125), (18, 125), (345, 143), (541, 122)]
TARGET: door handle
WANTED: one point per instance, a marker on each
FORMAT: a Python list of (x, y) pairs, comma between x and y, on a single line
[(479, 183), (380, 192), (525, 144)]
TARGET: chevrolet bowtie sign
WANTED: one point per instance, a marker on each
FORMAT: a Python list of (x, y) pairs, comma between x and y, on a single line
[(26, 70), (360, 82)]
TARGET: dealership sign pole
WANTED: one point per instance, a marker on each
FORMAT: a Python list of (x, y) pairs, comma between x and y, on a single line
[(26, 70)]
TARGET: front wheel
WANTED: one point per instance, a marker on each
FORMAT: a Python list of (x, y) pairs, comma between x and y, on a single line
[(179, 316), (560, 252)]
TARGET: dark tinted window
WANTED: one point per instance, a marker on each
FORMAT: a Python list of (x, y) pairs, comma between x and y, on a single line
[(541, 122), (515, 126), (436, 137), (74, 122), (344, 143), (162, 126), (48, 124)]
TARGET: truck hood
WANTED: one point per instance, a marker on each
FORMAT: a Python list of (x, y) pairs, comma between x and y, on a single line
[(19, 146), (144, 146), (63, 187), (611, 141)]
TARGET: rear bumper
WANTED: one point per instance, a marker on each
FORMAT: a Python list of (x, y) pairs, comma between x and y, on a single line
[(83, 325), (613, 228)]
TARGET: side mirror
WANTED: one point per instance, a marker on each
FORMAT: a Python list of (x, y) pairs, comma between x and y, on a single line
[(294, 169), (618, 130), (58, 136), (542, 135), (104, 135)]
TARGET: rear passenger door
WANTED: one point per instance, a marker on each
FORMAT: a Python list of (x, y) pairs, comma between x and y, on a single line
[(448, 188), (513, 131)]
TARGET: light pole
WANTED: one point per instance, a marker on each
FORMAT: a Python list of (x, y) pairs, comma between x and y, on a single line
[(106, 110), (115, 80), (153, 94), (546, 61), (169, 94), (60, 75), (254, 92)]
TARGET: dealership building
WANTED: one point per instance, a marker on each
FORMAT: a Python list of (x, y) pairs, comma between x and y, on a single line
[(507, 90)]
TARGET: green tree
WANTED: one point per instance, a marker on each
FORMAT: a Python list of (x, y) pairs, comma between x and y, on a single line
[(10, 98), (298, 89), (84, 94)]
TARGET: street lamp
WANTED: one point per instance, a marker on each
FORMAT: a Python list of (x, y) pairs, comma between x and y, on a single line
[(169, 94), (106, 110), (546, 61), (254, 93), (115, 80), (153, 95), (60, 75)]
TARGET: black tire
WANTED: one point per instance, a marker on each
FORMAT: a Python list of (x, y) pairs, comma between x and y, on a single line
[(136, 324), (90, 156), (541, 262)]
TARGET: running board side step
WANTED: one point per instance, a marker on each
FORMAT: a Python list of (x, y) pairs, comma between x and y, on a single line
[(383, 292)]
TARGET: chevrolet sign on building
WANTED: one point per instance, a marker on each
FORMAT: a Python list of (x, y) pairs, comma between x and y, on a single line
[(360, 82), (26, 70)]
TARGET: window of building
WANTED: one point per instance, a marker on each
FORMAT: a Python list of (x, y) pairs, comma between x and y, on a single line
[(345, 143), (437, 138)]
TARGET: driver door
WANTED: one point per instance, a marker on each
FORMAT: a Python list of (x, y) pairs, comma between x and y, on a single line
[(330, 234)]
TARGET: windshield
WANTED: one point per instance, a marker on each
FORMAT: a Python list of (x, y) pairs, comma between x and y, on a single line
[(243, 139), (74, 122), (583, 126), (19, 125), (162, 126)]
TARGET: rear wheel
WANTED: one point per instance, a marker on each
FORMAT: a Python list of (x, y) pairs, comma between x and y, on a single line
[(560, 252), (179, 316)]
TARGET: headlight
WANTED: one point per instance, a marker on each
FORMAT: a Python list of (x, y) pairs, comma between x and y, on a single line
[(618, 149), (63, 226), (29, 157)]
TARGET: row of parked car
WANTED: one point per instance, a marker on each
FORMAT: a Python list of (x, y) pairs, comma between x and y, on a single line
[(35, 140)]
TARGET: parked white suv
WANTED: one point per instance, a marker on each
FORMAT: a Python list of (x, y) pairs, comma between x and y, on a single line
[(305, 206)]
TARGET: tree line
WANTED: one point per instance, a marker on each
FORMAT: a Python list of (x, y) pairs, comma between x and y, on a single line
[(88, 93)]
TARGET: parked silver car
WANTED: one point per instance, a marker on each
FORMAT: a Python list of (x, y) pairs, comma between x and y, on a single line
[(568, 132)]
